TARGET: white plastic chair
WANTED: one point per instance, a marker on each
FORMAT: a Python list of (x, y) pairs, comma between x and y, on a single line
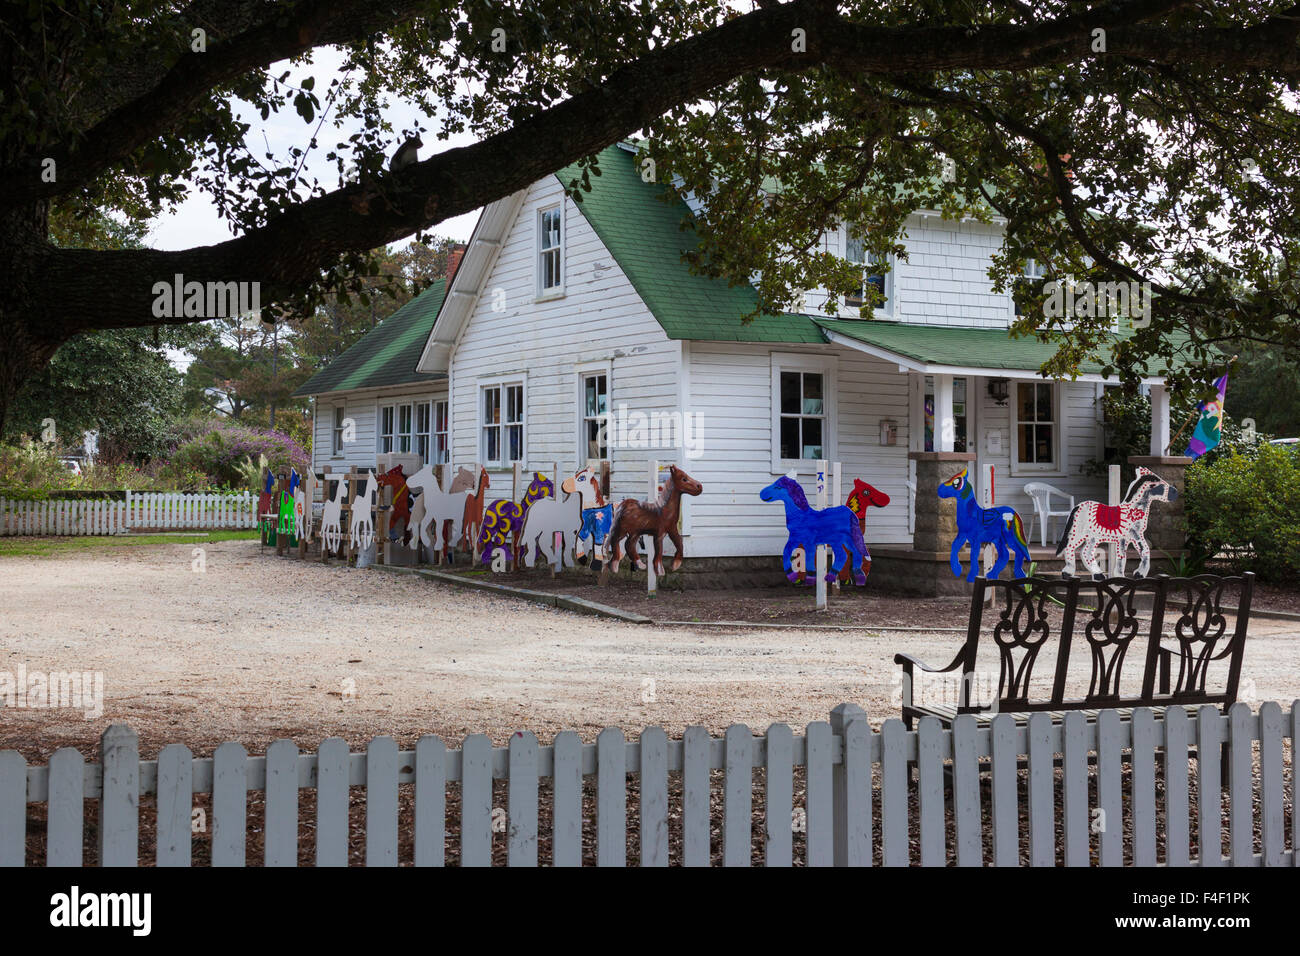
[(1041, 494)]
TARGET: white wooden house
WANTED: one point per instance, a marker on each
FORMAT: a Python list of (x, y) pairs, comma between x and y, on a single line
[(563, 312)]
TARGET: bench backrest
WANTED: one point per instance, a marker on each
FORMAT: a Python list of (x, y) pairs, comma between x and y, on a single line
[(1114, 625)]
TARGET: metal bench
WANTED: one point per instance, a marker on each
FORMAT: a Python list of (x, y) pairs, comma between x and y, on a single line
[(1174, 629)]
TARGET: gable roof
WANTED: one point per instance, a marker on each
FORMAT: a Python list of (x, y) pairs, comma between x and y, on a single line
[(645, 235), (387, 354)]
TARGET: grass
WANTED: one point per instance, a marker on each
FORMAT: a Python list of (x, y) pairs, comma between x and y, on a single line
[(40, 547)]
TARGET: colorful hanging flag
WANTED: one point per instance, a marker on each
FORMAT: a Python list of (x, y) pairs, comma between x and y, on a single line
[(1209, 426)]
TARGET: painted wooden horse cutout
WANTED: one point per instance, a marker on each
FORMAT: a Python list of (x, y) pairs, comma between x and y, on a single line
[(285, 521), (634, 518), (444, 511), (503, 520), (331, 530), (473, 517), (862, 497), (400, 515), (999, 526), (597, 513), (302, 502), (551, 516), (1091, 524), (362, 531), (836, 527)]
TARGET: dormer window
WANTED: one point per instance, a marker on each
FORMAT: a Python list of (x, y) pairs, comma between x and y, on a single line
[(1031, 279), (550, 251)]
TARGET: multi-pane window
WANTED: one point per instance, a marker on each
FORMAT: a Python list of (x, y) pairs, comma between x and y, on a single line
[(422, 432), (1031, 280), (959, 414), (387, 418), (595, 416), (550, 250), (872, 276), (404, 427), (337, 445), (395, 428), (803, 415), (441, 434), (503, 424), (1035, 423)]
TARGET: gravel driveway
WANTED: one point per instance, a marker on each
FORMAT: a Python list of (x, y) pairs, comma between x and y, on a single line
[(256, 647)]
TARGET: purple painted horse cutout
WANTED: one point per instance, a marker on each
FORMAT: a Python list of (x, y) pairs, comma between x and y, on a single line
[(835, 527)]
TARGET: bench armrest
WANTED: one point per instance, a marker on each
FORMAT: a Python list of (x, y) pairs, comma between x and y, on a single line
[(909, 662)]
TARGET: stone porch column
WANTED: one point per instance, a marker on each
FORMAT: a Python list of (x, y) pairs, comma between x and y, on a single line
[(1167, 526), (936, 520)]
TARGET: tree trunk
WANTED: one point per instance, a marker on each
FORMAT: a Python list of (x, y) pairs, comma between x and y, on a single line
[(30, 338)]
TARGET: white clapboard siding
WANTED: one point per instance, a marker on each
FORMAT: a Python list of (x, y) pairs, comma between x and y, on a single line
[(849, 771), (139, 511)]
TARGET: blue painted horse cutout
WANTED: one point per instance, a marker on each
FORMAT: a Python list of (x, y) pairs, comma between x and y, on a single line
[(976, 526), (836, 527)]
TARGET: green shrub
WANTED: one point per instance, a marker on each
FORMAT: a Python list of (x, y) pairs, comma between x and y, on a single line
[(1248, 504)]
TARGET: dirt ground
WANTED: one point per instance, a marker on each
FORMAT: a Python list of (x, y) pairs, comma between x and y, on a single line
[(255, 647)]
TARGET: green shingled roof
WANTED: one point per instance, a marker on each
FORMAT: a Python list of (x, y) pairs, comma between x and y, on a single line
[(961, 347), (645, 237), (386, 355)]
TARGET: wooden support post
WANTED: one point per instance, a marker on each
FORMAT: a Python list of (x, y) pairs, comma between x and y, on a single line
[(652, 579), (836, 471), (988, 554), (345, 521), (558, 564), (1113, 498)]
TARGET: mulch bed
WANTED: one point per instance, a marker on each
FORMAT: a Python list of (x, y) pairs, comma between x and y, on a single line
[(789, 604)]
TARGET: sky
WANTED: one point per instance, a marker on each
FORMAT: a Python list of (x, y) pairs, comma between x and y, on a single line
[(195, 222)]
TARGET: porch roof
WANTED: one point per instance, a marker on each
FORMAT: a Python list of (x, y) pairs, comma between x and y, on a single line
[(947, 350)]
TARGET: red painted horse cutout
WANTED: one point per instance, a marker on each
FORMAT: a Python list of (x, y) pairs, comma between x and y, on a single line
[(1092, 524), (400, 516), (862, 497), (634, 518)]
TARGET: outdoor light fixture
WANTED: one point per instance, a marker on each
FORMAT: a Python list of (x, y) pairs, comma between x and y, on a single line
[(999, 390)]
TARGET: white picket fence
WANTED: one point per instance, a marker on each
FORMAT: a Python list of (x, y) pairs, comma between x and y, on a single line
[(859, 804), (154, 511)]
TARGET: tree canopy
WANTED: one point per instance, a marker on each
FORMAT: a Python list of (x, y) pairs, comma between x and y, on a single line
[(1145, 140)]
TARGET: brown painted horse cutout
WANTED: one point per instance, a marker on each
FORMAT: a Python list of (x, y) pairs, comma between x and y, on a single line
[(473, 520), (634, 518)]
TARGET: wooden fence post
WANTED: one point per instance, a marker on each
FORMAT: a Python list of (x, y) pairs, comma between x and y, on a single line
[(651, 579), (821, 549)]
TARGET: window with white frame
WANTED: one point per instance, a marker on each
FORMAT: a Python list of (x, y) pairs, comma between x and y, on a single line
[(1037, 425), (387, 419), (1030, 280), (339, 417), (594, 412), (396, 426), (873, 277), (441, 433), (423, 431), (502, 423), (803, 413), (550, 250)]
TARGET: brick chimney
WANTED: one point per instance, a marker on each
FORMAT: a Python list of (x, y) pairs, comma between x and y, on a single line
[(454, 255)]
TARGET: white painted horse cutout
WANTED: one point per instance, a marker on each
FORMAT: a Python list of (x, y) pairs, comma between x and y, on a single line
[(331, 525), (438, 508), (363, 519), (548, 517), (1092, 524)]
